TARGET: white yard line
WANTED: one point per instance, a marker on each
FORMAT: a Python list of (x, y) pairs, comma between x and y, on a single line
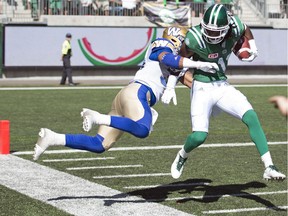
[(225, 211), (219, 196), (72, 194), (120, 87), (105, 167), (152, 148), (132, 175), (79, 159), (166, 186)]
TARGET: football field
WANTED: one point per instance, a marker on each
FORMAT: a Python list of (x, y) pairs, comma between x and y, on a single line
[(222, 177)]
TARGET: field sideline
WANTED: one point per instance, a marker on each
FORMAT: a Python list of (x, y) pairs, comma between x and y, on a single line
[(223, 176)]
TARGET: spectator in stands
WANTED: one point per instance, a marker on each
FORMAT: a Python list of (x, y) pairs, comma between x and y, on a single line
[(284, 9), (86, 7), (66, 55), (25, 4), (210, 3), (228, 4), (130, 7), (237, 9), (34, 8), (12, 3), (45, 7), (70, 7), (55, 7), (197, 8), (102, 7), (116, 8)]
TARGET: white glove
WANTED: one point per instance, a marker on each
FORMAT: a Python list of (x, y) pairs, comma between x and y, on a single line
[(154, 115), (204, 66), (208, 67), (169, 92), (253, 51), (154, 118)]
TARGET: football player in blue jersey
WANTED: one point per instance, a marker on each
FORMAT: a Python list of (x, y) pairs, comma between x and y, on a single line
[(213, 41), (132, 107)]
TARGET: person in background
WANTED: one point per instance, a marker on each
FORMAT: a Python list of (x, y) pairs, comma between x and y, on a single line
[(281, 103), (131, 109), (228, 4), (197, 7), (55, 7), (129, 7), (102, 7), (70, 7), (66, 56)]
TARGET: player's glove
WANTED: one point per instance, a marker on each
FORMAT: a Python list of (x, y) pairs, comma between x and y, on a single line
[(169, 93), (208, 67), (154, 118), (253, 51), (204, 66)]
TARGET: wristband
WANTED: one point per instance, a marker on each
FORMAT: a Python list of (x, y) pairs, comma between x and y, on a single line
[(252, 44)]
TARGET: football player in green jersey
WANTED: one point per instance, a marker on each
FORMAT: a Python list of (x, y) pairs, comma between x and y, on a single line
[(213, 41)]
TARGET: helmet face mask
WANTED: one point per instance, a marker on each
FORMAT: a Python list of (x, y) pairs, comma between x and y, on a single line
[(176, 35), (215, 24)]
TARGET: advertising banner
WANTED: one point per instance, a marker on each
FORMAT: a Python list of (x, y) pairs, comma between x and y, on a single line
[(113, 46)]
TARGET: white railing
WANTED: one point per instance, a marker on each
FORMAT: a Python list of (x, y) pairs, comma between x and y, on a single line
[(271, 9)]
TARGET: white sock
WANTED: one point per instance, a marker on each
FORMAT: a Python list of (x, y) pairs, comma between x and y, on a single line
[(267, 160), (182, 153), (104, 119), (59, 139)]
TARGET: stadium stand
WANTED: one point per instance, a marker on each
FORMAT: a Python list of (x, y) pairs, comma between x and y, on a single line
[(272, 13)]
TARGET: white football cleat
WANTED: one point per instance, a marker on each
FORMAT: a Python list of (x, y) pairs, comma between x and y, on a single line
[(89, 118), (177, 166), (46, 138), (272, 173)]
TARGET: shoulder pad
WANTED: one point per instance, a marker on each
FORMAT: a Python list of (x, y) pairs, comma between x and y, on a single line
[(237, 26), (194, 39)]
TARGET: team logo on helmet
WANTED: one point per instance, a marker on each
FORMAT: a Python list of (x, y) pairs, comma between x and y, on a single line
[(176, 35)]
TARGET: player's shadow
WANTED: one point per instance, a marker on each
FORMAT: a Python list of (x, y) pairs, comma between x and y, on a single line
[(161, 193), (211, 193)]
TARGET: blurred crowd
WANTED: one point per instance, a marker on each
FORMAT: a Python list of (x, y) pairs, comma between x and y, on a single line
[(134, 7), (86, 7), (114, 7)]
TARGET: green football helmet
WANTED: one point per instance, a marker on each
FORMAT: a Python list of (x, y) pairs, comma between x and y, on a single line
[(215, 24)]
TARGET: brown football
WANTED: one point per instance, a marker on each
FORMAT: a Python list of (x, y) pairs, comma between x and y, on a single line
[(241, 48)]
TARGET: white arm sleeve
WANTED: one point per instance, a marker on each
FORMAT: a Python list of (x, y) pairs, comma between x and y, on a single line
[(209, 67), (190, 63), (171, 82)]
